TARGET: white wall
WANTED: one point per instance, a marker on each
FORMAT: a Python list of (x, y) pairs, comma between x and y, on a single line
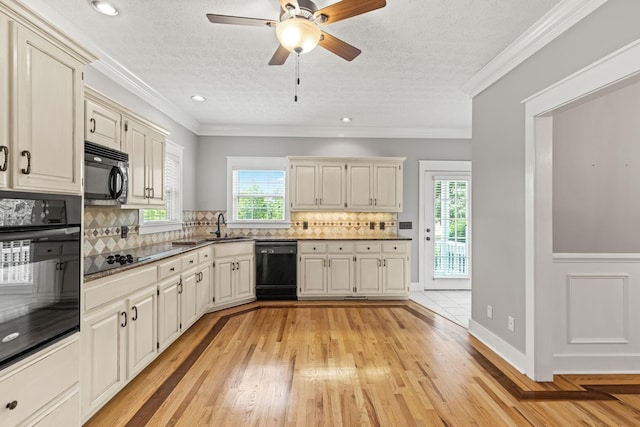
[(212, 152), (499, 168), (178, 134)]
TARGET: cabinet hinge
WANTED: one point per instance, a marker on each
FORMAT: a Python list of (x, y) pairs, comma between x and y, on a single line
[(158, 292), (345, 204), (354, 258), (158, 346), (214, 299), (214, 264), (180, 325), (126, 126), (345, 167), (83, 75)]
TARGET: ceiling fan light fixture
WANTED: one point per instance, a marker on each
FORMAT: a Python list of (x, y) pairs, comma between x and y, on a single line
[(298, 35), (104, 7)]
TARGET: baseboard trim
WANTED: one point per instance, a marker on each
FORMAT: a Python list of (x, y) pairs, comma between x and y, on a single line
[(416, 286), (503, 349), (605, 363)]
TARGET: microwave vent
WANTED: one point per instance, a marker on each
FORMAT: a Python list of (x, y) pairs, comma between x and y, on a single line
[(99, 150)]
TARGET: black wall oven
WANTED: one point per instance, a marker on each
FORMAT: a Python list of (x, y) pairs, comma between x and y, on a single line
[(39, 271)]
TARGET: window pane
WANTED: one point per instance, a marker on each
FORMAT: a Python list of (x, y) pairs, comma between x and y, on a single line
[(258, 195)]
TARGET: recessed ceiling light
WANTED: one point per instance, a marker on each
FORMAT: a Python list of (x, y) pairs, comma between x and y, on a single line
[(104, 7), (346, 119), (198, 98)]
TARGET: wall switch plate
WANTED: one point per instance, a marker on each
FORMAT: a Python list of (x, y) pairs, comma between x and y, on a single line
[(511, 324), (405, 225), (489, 311)]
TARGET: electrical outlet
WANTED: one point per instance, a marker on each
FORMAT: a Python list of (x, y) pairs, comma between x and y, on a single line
[(124, 231), (372, 225), (489, 311), (381, 225), (305, 225), (511, 324)]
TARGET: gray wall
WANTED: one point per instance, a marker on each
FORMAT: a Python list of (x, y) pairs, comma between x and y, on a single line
[(178, 133), (498, 160), (211, 165), (596, 196)]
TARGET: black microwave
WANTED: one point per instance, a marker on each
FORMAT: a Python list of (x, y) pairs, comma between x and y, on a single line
[(105, 175)]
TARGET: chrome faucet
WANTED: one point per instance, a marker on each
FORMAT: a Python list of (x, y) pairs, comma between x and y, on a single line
[(220, 215)]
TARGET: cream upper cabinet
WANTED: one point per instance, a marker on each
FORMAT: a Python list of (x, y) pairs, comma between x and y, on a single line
[(317, 185), (146, 149), (363, 184), (375, 186), (47, 130), (102, 123)]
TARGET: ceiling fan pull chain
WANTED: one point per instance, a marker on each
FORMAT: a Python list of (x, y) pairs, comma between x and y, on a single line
[(297, 82)]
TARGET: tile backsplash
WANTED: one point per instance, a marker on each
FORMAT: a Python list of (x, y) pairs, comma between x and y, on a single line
[(103, 227)]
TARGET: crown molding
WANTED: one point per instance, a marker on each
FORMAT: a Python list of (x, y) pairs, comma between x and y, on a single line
[(334, 132), (563, 16)]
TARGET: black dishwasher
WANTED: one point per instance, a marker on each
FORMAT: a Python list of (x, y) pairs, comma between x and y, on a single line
[(276, 267)]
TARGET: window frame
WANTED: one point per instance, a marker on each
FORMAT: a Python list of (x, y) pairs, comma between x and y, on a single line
[(257, 163), (148, 227)]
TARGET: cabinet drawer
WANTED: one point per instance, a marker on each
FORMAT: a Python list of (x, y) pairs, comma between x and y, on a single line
[(35, 384), (395, 247), (340, 248), (368, 247), (116, 287), (169, 267), (312, 247), (204, 255), (189, 260), (233, 249)]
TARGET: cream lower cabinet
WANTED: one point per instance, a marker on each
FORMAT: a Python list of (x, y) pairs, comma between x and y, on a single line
[(346, 269), (234, 274), (44, 388), (325, 269), (118, 333)]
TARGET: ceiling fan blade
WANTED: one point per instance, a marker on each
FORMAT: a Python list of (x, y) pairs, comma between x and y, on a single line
[(337, 46), (294, 3), (239, 20), (280, 56), (348, 8)]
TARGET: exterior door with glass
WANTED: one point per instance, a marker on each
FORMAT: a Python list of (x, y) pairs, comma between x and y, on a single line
[(447, 243)]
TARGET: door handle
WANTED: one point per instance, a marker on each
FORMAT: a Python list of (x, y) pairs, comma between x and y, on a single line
[(135, 316), (26, 153), (5, 151), (124, 323)]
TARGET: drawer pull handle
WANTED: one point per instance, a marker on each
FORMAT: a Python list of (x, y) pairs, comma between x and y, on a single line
[(12, 405), (124, 323), (5, 151), (93, 125), (27, 171), (135, 316)]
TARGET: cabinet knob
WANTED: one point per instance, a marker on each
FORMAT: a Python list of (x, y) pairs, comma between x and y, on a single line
[(12, 405)]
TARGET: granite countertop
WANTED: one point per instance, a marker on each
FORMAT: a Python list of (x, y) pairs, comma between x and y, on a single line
[(107, 264)]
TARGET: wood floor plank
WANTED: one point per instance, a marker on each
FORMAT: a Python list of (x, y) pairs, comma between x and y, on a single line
[(353, 364)]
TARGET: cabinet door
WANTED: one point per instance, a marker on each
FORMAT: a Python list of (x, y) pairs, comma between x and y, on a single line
[(168, 311), (48, 117), (387, 194), (104, 340), (368, 274), (312, 275), (4, 102), (359, 188), (102, 125), (155, 168), (224, 271), (340, 274), (395, 275), (304, 185), (203, 284), (136, 136), (188, 304), (331, 186), (142, 347), (245, 278)]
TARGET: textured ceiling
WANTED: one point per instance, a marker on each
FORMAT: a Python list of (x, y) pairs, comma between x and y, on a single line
[(416, 56)]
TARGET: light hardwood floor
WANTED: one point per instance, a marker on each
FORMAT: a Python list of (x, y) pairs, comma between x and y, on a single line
[(353, 364)]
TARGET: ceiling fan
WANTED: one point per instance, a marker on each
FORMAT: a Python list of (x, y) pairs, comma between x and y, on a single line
[(298, 30)]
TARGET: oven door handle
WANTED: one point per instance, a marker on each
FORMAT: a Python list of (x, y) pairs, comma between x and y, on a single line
[(38, 234)]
